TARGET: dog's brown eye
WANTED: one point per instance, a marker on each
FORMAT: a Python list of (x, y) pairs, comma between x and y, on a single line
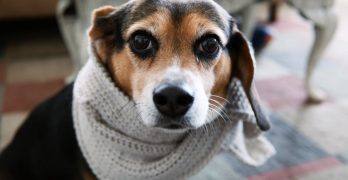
[(142, 42), (210, 45), (207, 47)]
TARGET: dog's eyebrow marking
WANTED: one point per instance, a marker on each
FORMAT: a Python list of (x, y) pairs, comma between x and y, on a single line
[(141, 11), (178, 10), (130, 13)]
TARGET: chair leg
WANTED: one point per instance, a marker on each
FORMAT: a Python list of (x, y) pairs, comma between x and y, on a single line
[(68, 26), (273, 11), (323, 34), (249, 20)]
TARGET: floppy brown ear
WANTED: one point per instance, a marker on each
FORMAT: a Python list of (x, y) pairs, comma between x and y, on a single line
[(105, 31), (101, 19), (243, 68)]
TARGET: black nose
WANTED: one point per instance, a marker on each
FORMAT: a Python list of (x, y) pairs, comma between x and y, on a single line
[(172, 100)]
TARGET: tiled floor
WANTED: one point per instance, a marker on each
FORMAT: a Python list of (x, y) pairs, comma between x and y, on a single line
[(33, 66), (311, 139)]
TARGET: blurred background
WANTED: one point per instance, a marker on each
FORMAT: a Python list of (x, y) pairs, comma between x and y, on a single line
[(304, 85)]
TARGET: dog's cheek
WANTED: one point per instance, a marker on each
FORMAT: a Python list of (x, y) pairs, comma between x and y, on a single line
[(222, 74), (122, 72), (142, 84), (204, 79), (201, 104), (208, 79), (137, 85)]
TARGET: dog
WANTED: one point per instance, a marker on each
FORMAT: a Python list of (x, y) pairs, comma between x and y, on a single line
[(174, 58)]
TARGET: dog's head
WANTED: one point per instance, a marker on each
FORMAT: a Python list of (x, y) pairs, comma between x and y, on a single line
[(174, 58)]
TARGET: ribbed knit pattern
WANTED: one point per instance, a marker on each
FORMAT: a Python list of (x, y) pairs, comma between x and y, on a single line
[(117, 145)]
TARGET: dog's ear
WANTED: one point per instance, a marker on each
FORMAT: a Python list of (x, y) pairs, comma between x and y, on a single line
[(105, 31), (243, 66), (101, 21)]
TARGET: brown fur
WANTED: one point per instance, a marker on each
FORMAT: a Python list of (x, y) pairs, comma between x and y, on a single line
[(132, 74), (176, 31), (96, 32), (87, 175), (176, 27)]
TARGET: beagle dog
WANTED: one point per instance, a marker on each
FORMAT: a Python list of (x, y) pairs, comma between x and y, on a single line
[(174, 58)]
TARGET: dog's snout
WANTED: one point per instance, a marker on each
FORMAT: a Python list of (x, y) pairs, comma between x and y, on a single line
[(172, 100)]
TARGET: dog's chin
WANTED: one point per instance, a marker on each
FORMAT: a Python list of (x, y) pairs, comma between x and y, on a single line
[(173, 124), (195, 118)]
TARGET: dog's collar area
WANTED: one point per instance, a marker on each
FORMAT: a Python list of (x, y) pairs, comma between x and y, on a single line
[(116, 143)]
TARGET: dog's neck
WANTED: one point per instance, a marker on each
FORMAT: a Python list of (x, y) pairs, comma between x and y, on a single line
[(116, 110), (116, 143)]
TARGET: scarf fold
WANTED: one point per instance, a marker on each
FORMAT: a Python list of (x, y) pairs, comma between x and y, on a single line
[(117, 145)]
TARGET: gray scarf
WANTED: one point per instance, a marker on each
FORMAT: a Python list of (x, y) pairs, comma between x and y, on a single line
[(118, 146)]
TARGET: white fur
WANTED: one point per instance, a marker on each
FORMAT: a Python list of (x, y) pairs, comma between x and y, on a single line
[(196, 115)]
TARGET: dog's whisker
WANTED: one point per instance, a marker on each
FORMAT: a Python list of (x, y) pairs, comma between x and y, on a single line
[(224, 99), (217, 102), (221, 114), (206, 129), (211, 125), (220, 108), (217, 106)]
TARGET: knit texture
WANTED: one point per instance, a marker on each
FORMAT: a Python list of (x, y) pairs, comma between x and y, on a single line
[(117, 145)]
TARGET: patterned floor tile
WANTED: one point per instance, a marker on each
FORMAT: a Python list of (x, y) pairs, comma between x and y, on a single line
[(25, 96), (292, 172), (1, 99), (337, 173), (40, 47), (2, 72), (2, 47), (326, 124), (292, 148), (343, 157), (9, 125), (38, 69), (291, 50), (218, 168), (283, 92), (268, 69), (332, 78), (40, 38)]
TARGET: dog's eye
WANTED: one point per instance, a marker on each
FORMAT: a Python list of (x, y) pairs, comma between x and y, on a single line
[(209, 45), (143, 44)]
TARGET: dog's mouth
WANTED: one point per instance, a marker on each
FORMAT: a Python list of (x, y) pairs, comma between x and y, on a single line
[(173, 127), (169, 124), (173, 103)]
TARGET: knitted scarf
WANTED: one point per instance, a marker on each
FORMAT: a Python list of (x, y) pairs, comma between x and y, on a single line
[(117, 145)]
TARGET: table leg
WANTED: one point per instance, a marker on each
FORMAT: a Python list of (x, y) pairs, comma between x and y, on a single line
[(323, 34)]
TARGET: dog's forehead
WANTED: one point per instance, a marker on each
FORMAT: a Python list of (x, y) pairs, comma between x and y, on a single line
[(141, 9)]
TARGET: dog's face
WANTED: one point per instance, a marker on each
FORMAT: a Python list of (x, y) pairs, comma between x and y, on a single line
[(174, 58)]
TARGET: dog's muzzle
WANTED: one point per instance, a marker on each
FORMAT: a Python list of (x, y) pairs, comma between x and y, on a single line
[(173, 101)]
